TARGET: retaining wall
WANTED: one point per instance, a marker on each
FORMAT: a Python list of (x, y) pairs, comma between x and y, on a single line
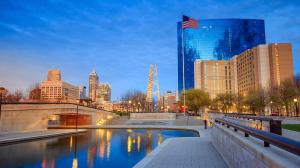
[(152, 116), (239, 151)]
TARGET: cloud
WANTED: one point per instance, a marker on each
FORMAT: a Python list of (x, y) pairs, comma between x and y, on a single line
[(15, 28)]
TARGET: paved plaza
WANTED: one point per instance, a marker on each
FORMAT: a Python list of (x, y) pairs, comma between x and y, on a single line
[(190, 152)]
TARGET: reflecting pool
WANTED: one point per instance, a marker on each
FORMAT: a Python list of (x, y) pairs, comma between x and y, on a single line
[(95, 148)]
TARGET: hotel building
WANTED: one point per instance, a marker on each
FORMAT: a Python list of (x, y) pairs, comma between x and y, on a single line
[(264, 66), (215, 39), (261, 67), (55, 90), (215, 76)]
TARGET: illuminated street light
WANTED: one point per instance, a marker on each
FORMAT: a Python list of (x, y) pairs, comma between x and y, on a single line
[(295, 100), (296, 107)]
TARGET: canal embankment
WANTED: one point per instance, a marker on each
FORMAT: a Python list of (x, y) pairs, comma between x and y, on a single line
[(16, 137)]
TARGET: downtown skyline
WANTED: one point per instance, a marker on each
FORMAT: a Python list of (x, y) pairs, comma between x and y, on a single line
[(119, 40)]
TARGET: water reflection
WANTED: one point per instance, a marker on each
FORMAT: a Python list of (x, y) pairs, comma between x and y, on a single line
[(95, 148), (49, 164), (71, 143), (129, 142), (138, 143), (149, 142)]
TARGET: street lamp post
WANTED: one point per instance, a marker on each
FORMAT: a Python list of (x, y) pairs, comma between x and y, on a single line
[(296, 107), (139, 106), (129, 104), (271, 107), (0, 104), (134, 109), (77, 114)]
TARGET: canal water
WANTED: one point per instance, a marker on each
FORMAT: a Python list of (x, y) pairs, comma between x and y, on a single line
[(118, 148)]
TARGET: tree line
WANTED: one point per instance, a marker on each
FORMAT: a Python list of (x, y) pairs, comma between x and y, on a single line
[(280, 100), (33, 93)]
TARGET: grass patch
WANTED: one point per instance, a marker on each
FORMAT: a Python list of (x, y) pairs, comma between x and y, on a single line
[(293, 127)]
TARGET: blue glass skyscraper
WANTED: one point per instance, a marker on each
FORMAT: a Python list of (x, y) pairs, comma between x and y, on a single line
[(215, 39)]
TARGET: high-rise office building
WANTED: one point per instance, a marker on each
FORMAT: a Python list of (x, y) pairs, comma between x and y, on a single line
[(55, 90), (54, 75), (169, 101), (82, 92), (261, 67), (104, 92), (93, 85), (215, 39)]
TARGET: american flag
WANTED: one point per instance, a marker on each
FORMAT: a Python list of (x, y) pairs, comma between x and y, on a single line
[(188, 22)]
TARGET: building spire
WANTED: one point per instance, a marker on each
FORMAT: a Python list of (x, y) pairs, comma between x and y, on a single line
[(93, 72)]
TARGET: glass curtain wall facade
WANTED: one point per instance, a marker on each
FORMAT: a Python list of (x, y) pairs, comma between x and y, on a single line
[(215, 39)]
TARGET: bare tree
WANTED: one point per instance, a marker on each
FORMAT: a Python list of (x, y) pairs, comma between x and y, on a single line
[(256, 100), (14, 97), (134, 100), (225, 101), (34, 92), (274, 100), (288, 92)]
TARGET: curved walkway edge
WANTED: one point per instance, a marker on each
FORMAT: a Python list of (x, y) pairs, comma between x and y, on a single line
[(9, 138), (189, 152)]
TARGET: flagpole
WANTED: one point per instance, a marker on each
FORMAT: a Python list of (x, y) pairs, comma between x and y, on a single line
[(183, 83)]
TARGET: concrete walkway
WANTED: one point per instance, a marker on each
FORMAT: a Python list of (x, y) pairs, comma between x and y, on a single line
[(6, 138), (191, 152), (291, 134)]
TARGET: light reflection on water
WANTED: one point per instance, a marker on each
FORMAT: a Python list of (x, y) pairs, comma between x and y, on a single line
[(95, 148)]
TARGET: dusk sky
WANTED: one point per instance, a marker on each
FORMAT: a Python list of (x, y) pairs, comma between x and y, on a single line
[(118, 38)]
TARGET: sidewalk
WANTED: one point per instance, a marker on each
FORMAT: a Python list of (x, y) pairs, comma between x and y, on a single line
[(291, 134), (6, 138), (189, 152)]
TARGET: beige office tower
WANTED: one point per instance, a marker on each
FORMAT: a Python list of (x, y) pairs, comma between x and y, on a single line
[(264, 66), (93, 85), (54, 75), (104, 92), (56, 90), (214, 76), (261, 67)]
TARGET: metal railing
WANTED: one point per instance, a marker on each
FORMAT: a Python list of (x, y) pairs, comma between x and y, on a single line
[(274, 125), (249, 117), (284, 143)]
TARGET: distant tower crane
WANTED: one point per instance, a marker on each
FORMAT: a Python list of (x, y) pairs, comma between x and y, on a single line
[(153, 80)]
